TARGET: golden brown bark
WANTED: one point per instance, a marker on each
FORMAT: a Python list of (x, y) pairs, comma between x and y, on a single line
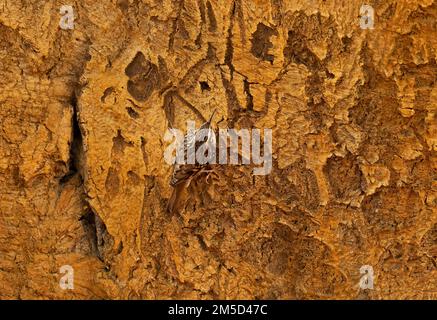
[(83, 180)]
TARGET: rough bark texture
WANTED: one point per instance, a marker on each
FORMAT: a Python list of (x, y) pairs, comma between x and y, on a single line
[(83, 181)]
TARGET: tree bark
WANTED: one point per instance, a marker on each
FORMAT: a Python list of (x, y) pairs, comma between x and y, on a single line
[(84, 181)]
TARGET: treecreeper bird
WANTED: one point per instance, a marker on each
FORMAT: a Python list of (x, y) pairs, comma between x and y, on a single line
[(185, 172)]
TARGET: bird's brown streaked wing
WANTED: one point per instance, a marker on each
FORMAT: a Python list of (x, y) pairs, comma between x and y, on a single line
[(182, 172), (181, 175)]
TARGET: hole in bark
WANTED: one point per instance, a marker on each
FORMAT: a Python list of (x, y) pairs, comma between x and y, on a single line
[(249, 97), (75, 145), (106, 93), (261, 42), (99, 239), (132, 113), (136, 66), (144, 77), (204, 86)]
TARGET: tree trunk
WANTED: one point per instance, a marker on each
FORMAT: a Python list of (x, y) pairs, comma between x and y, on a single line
[(85, 106)]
